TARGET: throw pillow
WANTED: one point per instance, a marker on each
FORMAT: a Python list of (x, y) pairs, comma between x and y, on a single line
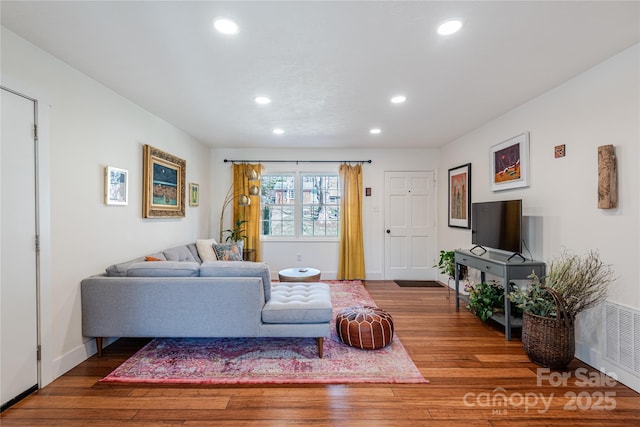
[(205, 249), (230, 252), (152, 258)]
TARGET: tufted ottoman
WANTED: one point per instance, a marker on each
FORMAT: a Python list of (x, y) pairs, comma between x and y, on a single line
[(305, 307), (365, 327)]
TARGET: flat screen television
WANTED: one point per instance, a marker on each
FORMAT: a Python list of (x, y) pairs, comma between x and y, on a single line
[(497, 225)]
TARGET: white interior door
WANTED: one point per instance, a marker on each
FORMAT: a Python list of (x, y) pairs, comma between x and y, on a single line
[(409, 226), (18, 285)]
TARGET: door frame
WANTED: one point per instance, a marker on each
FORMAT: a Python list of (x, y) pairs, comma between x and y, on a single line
[(44, 287)]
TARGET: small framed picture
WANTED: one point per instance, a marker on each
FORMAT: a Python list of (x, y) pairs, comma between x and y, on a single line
[(194, 194), (510, 163), (460, 196), (116, 186)]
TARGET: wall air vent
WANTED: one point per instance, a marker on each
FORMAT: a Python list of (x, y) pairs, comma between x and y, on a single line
[(622, 337)]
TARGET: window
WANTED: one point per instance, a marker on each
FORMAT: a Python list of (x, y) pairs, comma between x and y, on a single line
[(300, 205)]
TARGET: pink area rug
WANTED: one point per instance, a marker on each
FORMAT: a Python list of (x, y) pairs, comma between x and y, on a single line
[(271, 360)]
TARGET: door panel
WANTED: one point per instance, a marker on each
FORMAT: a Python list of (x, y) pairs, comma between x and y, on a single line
[(18, 288), (409, 226), (418, 258), (397, 253)]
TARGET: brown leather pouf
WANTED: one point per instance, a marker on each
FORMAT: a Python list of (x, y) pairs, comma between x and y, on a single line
[(365, 327)]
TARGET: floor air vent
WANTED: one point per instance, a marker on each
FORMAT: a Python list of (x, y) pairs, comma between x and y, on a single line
[(622, 336)]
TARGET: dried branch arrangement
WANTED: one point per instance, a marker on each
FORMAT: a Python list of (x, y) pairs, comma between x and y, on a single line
[(583, 282)]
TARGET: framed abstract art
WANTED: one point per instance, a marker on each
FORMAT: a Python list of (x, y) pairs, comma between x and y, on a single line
[(460, 196), (510, 163)]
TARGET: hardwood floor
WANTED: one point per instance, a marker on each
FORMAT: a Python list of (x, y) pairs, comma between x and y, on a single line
[(471, 368)]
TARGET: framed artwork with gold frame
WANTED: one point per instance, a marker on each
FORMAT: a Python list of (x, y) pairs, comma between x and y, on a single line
[(163, 184)]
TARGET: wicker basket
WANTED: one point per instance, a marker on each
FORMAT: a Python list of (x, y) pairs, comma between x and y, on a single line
[(550, 341)]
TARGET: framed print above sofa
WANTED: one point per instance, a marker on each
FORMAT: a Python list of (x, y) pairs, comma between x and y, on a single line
[(163, 184)]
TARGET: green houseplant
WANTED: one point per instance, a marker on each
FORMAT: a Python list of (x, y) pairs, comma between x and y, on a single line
[(485, 299), (573, 284), (237, 233), (447, 265)]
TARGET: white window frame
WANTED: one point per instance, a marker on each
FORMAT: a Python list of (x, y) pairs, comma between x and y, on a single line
[(298, 206)]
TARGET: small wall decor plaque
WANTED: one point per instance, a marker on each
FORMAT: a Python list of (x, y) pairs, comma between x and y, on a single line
[(607, 177)]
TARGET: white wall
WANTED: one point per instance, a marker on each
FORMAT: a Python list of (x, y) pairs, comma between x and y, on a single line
[(597, 107), (324, 255), (90, 127)]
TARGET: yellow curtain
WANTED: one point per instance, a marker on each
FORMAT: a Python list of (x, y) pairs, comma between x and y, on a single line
[(351, 261), (251, 212)]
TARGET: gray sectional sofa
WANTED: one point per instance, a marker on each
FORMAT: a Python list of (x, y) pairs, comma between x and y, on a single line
[(182, 296)]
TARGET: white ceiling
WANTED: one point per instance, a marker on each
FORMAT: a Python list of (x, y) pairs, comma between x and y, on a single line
[(330, 67)]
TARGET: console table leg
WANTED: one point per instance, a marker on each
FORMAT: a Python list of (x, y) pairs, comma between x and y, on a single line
[(507, 310), (456, 276)]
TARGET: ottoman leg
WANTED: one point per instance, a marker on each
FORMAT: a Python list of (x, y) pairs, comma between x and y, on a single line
[(320, 342)]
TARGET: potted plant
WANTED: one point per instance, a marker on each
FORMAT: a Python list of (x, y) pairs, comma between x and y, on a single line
[(447, 265), (237, 233), (485, 299), (550, 305)]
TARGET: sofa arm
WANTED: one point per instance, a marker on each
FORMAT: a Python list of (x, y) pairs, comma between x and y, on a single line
[(171, 306)]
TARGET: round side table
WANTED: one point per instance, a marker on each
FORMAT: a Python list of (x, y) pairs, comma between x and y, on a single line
[(301, 274)]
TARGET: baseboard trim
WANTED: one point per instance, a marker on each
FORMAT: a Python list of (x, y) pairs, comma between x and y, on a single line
[(63, 364)]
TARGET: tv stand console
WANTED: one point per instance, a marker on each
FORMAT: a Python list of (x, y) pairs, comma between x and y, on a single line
[(500, 265)]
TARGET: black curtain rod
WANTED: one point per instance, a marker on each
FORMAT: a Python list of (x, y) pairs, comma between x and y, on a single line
[(297, 161)]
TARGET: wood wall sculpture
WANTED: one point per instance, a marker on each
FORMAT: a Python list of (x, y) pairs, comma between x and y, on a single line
[(607, 177)]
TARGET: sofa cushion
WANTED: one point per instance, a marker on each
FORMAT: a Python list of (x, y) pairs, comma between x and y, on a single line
[(205, 249), (179, 253), (298, 303), (120, 270), (194, 251), (230, 252), (164, 269), (239, 269)]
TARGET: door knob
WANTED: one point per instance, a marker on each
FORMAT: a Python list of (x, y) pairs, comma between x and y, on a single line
[(388, 231)]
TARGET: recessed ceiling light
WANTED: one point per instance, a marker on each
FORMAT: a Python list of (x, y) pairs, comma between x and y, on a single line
[(398, 99), (225, 26), (449, 27), (278, 131), (263, 100), (375, 131)]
